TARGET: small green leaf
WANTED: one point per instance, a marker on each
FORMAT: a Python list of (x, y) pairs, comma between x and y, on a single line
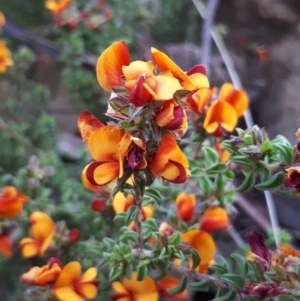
[(104, 263), (150, 224), (175, 238), (219, 183), (230, 296), (154, 194), (142, 272), (131, 214), (210, 155), (284, 298), (235, 280), (195, 257), (241, 260), (206, 185), (219, 268), (179, 288), (115, 272), (129, 236), (273, 182), (217, 168), (201, 286), (241, 160), (120, 218), (128, 270), (247, 183)]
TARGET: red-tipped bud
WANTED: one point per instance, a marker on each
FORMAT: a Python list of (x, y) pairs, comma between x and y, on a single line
[(74, 235), (98, 205), (197, 69), (139, 94), (54, 260)]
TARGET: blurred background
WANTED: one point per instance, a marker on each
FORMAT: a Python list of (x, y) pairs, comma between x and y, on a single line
[(53, 79)]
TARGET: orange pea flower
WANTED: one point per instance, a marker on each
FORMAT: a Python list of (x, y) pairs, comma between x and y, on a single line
[(191, 80), (57, 6), (298, 134), (41, 231), (71, 285), (87, 124), (204, 244), (5, 57), (11, 202), (185, 204), (224, 155), (238, 99), (114, 68), (169, 162), (293, 179), (169, 282), (2, 19), (122, 204), (45, 275), (133, 290), (214, 218), (223, 114), (5, 245), (103, 145), (172, 117), (220, 116), (199, 100)]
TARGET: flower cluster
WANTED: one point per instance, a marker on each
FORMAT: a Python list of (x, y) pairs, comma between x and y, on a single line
[(64, 282), (5, 55), (148, 103), (92, 15), (11, 204), (42, 232), (293, 173)]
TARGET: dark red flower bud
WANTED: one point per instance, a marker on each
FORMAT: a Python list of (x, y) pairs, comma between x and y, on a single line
[(98, 205), (139, 95), (74, 235), (197, 69), (135, 157), (259, 248), (54, 260)]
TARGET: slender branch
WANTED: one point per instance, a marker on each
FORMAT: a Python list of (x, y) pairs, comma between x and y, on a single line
[(247, 115), (206, 36), (139, 217)]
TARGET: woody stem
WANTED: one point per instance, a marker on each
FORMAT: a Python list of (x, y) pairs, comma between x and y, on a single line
[(139, 217)]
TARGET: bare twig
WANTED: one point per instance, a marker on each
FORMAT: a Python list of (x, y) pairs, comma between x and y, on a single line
[(247, 115), (206, 36)]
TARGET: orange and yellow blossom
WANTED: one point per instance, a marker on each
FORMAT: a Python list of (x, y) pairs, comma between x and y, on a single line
[(223, 114), (172, 117), (42, 231), (224, 155), (103, 145), (134, 290), (199, 100), (2, 19), (185, 204), (191, 80), (87, 124), (5, 57), (11, 202), (44, 275), (57, 6), (205, 246), (5, 245), (169, 162), (169, 282), (110, 147), (71, 285), (115, 69), (214, 218), (122, 204)]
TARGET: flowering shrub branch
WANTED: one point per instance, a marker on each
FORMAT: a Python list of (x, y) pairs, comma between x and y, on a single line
[(160, 175)]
